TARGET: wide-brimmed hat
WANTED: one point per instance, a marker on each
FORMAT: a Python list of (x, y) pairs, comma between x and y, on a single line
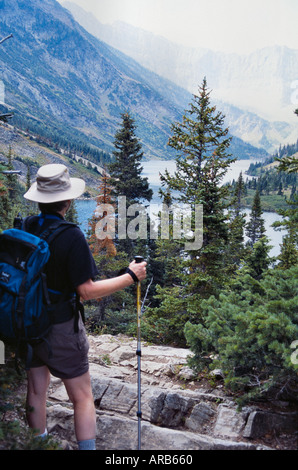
[(54, 184)]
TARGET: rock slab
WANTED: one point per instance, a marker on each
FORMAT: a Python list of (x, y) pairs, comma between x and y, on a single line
[(177, 413)]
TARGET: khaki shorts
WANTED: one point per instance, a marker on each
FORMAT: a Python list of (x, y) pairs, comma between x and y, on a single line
[(64, 352)]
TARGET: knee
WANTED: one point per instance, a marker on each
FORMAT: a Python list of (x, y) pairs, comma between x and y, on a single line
[(79, 390), (80, 395)]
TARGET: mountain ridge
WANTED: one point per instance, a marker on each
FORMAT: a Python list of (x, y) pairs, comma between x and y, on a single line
[(66, 82), (242, 81)]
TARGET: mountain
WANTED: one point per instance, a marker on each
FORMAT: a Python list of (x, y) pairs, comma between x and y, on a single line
[(71, 87), (259, 84)]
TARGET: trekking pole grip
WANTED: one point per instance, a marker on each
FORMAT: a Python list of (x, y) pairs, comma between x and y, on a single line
[(139, 259)]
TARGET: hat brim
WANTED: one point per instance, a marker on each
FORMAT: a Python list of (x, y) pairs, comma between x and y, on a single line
[(77, 187)]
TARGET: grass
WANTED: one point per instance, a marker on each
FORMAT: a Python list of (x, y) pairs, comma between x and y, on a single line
[(271, 202)]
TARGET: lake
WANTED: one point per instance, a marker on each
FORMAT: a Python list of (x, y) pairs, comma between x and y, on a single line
[(153, 168)]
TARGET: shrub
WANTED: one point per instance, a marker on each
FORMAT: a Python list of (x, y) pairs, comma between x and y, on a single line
[(248, 331)]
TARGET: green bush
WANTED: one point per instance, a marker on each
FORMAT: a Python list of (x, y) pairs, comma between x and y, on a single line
[(248, 331), (14, 432)]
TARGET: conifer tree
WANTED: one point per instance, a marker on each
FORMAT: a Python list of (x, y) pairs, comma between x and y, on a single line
[(109, 260), (248, 329), (202, 144), (11, 200), (255, 228), (238, 193), (29, 207), (72, 215), (126, 179), (11, 178), (289, 248), (28, 178), (126, 169), (237, 224), (258, 260), (102, 243), (103, 249)]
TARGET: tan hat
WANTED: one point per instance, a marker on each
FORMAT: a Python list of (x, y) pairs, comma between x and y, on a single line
[(53, 184)]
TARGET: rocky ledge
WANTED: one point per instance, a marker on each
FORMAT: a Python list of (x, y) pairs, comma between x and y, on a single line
[(177, 412)]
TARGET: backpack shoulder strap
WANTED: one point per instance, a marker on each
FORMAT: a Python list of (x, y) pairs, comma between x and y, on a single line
[(28, 222), (56, 229)]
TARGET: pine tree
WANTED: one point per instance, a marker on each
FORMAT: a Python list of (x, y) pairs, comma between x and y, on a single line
[(258, 261), (289, 163), (108, 260), (126, 170), (28, 178), (127, 181), (72, 215), (29, 207), (237, 223), (102, 243), (202, 144), (238, 193), (289, 248), (11, 200), (247, 330), (255, 228), (11, 178)]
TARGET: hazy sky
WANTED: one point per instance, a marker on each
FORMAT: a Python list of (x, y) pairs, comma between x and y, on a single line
[(224, 25)]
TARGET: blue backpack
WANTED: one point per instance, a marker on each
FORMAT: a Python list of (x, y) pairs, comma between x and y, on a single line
[(25, 307)]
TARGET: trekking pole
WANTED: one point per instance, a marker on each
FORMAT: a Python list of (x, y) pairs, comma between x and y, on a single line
[(139, 259)]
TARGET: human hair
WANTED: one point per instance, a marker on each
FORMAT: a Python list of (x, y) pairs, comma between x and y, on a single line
[(52, 206)]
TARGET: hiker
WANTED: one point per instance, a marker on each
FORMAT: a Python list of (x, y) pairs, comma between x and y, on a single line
[(70, 270)]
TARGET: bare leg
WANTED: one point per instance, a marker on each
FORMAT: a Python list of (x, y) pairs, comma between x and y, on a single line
[(38, 382), (80, 393)]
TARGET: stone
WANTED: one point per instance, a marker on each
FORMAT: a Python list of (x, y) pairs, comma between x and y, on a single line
[(175, 409), (186, 373), (217, 373), (201, 415), (152, 404), (121, 433), (122, 353), (174, 416), (230, 423), (59, 394), (260, 423), (60, 421)]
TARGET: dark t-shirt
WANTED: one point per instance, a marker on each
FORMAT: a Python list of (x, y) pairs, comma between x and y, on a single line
[(71, 262)]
